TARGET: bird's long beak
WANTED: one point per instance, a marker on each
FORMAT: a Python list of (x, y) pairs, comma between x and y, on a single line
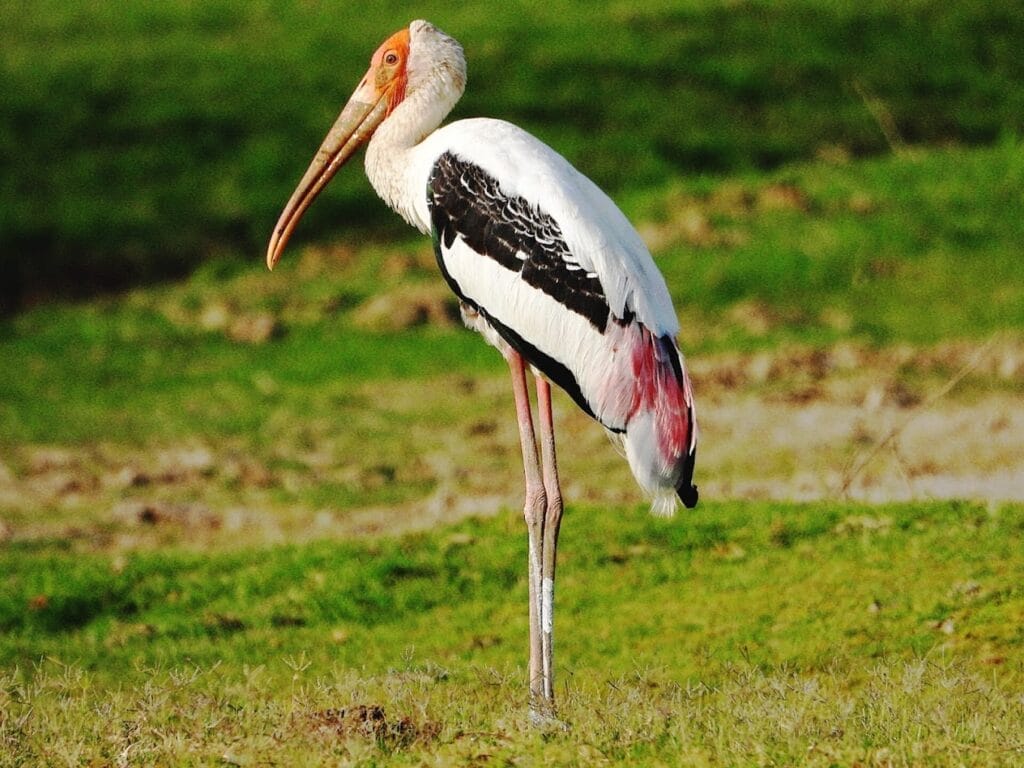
[(356, 123)]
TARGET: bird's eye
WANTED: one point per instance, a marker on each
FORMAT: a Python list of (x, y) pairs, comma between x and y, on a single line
[(391, 57)]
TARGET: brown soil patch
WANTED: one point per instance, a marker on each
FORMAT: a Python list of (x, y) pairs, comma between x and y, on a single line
[(370, 722)]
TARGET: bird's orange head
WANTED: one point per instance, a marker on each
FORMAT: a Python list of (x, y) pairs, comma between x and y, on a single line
[(388, 71)]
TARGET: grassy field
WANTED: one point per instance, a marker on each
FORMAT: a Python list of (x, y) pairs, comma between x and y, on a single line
[(272, 519), (201, 486), (746, 633)]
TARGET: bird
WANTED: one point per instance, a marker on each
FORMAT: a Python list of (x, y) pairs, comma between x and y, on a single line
[(545, 267)]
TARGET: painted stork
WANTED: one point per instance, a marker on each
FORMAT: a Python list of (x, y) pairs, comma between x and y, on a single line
[(546, 268)]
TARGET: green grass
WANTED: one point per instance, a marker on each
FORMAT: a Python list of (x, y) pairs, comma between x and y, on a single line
[(135, 140), (115, 372), (917, 248), (873, 242), (743, 632)]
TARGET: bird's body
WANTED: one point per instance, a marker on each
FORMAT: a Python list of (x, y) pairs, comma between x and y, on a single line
[(543, 261), (546, 267)]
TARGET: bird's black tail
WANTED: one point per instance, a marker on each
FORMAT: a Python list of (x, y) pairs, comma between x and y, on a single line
[(686, 490)]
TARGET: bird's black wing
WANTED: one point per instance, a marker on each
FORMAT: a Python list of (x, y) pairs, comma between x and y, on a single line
[(466, 202)]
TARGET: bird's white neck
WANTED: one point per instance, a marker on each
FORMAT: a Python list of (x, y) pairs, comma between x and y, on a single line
[(390, 161)]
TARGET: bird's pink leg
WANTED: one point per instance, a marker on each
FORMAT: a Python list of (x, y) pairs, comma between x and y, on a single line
[(552, 522), (533, 511)]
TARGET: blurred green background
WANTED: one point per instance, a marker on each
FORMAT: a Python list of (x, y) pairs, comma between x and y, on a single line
[(139, 139)]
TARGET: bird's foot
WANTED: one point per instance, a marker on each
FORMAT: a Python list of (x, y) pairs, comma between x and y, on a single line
[(544, 719)]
